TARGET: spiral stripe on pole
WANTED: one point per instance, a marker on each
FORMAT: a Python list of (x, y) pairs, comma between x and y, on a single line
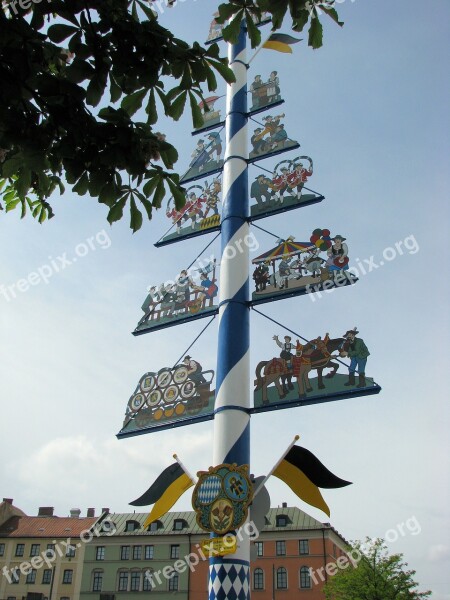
[(229, 577)]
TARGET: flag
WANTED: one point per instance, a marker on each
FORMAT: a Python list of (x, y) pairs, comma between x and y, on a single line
[(304, 474), (281, 42), (164, 492)]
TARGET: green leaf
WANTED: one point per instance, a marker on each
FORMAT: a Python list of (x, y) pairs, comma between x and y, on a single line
[(79, 71), (224, 70), (197, 117), (315, 32), (43, 215), (253, 31), (116, 211), (12, 205), (95, 90), (332, 12), (231, 31), (150, 186), (82, 185), (133, 102), (23, 183), (114, 89), (159, 194), (58, 33), (146, 204), (178, 194), (177, 107), (151, 108), (136, 216)]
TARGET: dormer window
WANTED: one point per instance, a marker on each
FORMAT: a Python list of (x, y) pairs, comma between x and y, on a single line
[(179, 524), (282, 520), (132, 526), (155, 526)]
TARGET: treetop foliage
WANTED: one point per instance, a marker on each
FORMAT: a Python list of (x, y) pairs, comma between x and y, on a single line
[(59, 60)]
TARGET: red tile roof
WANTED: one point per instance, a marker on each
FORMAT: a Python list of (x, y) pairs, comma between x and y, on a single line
[(45, 526)]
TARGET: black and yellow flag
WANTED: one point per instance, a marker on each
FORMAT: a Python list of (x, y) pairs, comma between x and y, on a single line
[(164, 492), (305, 474), (281, 42)]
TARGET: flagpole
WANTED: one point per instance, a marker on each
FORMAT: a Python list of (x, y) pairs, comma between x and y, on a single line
[(260, 48), (229, 576), (260, 486), (188, 473)]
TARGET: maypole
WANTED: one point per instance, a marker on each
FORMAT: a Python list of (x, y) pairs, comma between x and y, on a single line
[(232, 404)]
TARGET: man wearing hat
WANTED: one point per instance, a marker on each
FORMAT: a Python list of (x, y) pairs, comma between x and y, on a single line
[(286, 349), (257, 141), (281, 183), (298, 178), (337, 256), (194, 370), (254, 88), (358, 352), (260, 189)]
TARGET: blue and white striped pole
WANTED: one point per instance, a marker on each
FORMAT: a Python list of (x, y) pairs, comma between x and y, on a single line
[(229, 576)]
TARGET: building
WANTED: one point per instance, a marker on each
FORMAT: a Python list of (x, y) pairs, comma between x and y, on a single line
[(289, 557), (41, 557)]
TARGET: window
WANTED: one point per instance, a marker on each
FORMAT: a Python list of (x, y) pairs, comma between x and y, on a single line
[(97, 581), (259, 548), (154, 526), (47, 576), (64, 598), (148, 552), (303, 547), (179, 524), (258, 579), (50, 550), (70, 551), (67, 576), (173, 583), (305, 578), (135, 581), (124, 552), (148, 583), (15, 575), (35, 549), (137, 552), (20, 548), (31, 577), (280, 548), (282, 520), (174, 551), (281, 578), (132, 526), (10, 598), (2, 549), (100, 553), (123, 581)]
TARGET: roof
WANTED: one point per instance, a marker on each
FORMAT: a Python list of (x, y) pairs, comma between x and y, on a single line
[(18, 527), (297, 521)]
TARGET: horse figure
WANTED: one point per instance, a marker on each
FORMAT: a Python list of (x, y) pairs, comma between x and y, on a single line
[(317, 352)]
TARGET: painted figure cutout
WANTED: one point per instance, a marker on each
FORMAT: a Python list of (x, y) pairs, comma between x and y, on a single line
[(265, 93), (302, 267), (284, 189), (271, 138), (298, 363), (199, 214), (206, 157), (187, 298), (180, 393), (211, 116)]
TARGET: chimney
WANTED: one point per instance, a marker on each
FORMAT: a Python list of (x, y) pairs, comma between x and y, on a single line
[(284, 505), (8, 500), (90, 512), (45, 511), (75, 513), (105, 510)]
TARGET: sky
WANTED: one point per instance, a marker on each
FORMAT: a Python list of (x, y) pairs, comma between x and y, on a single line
[(371, 109)]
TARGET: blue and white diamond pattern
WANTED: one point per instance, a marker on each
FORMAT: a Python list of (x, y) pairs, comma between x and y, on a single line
[(209, 489), (229, 582)]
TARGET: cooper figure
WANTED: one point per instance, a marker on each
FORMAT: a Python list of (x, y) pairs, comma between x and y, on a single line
[(358, 352)]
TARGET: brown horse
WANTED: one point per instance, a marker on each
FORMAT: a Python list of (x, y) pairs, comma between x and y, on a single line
[(276, 371)]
